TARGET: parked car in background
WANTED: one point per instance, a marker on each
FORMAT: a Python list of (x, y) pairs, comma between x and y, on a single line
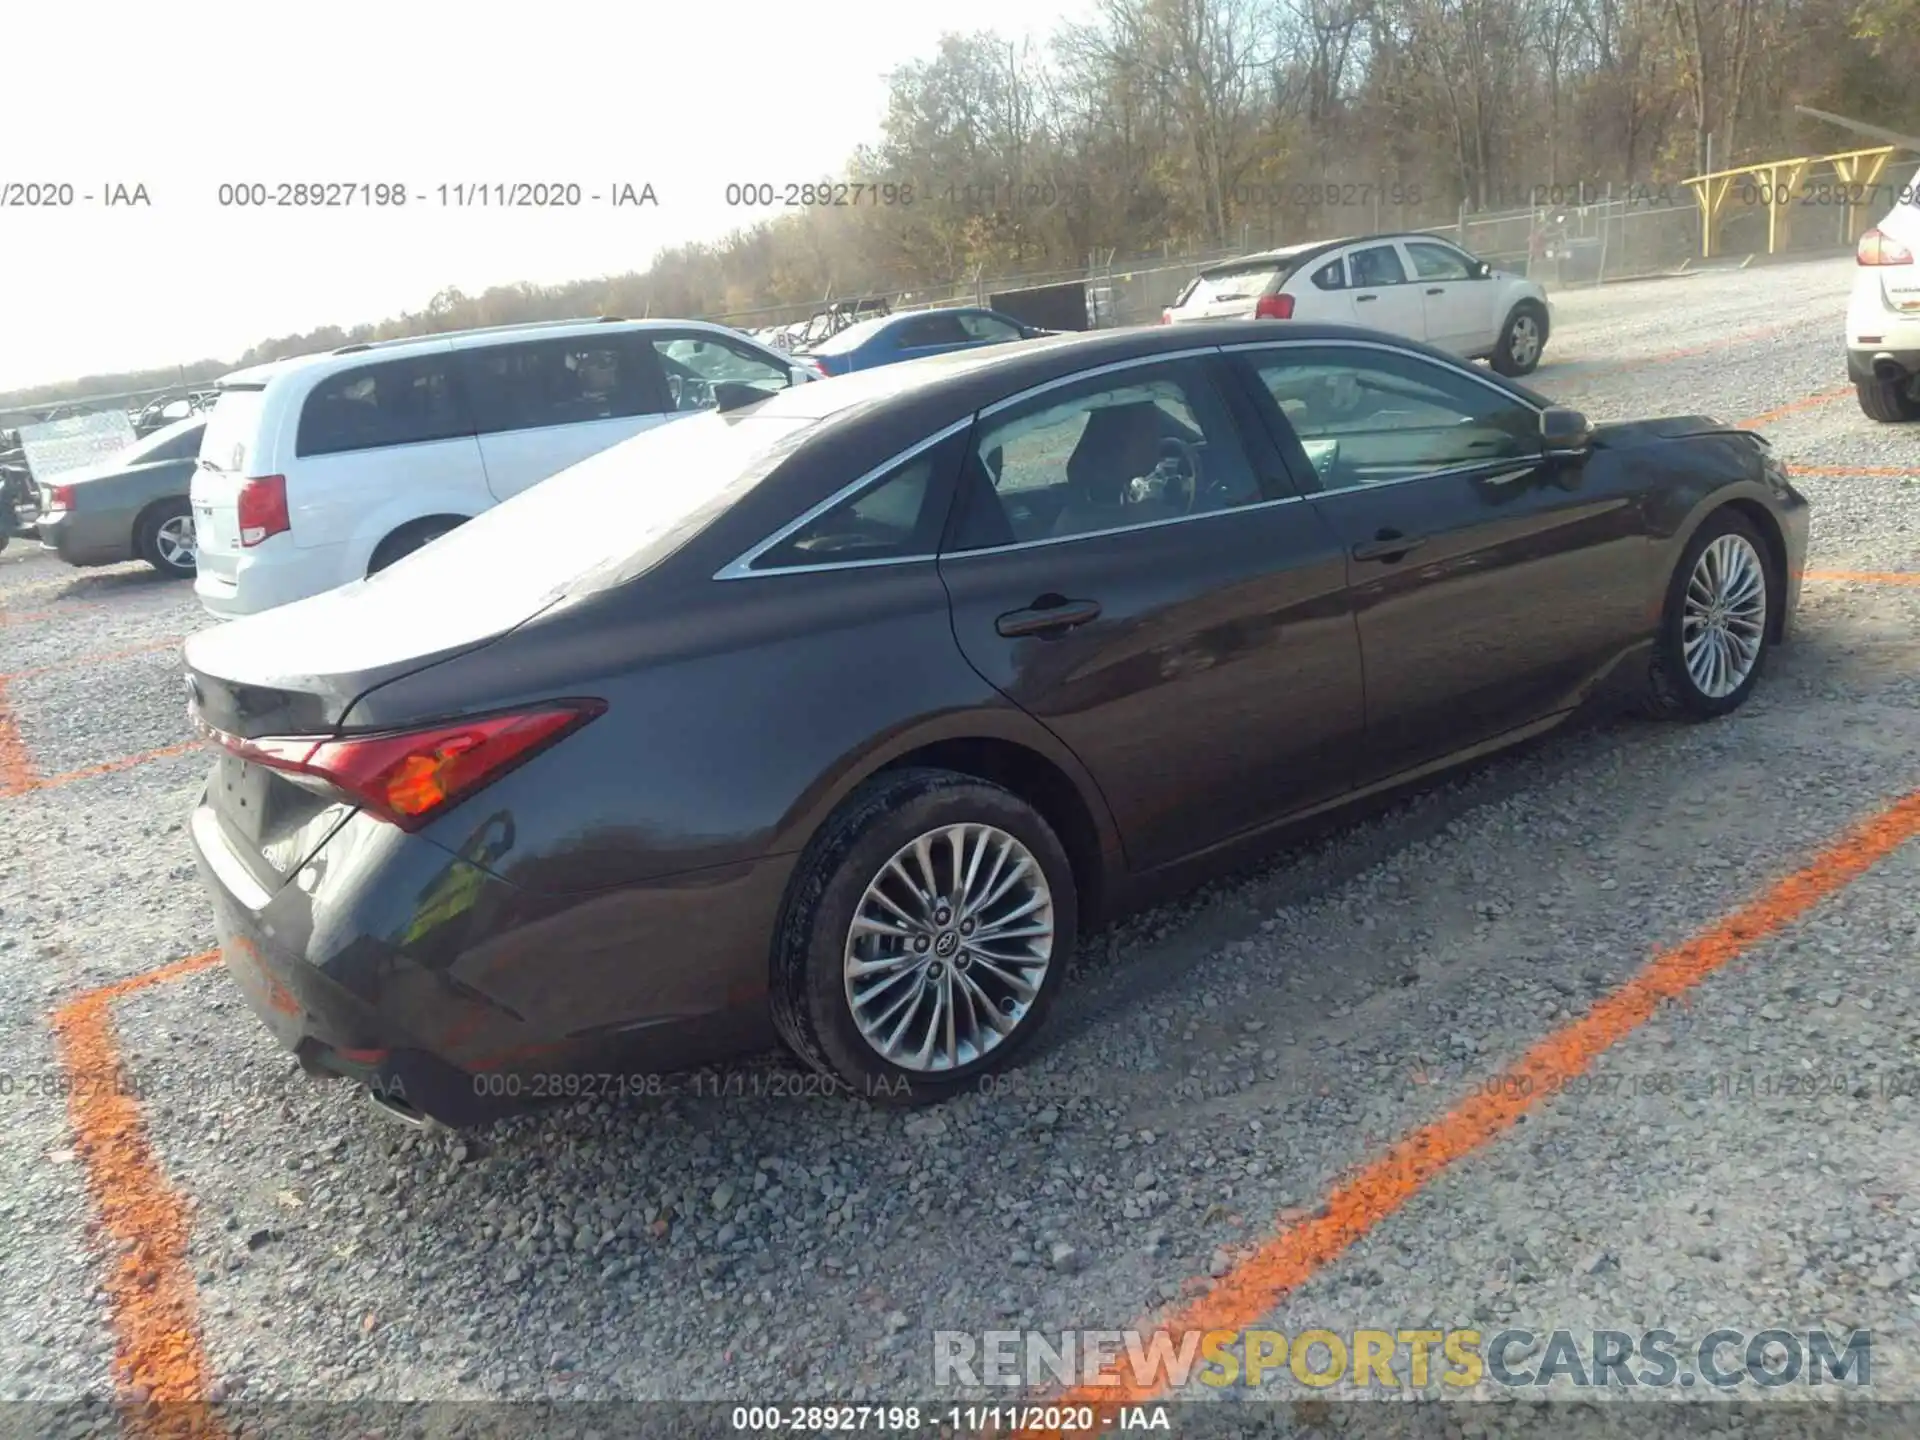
[(165, 411), (322, 469), (904, 680), (1883, 315), (19, 503), (133, 506), (1416, 286), (913, 334)]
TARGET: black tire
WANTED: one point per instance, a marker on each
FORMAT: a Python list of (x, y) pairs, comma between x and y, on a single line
[(156, 539), (1502, 359), (811, 1009), (1672, 693), (1889, 401), (407, 539)]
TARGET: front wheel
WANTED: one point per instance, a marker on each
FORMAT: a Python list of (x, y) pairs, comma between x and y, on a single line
[(925, 936), (1714, 631), (1522, 340)]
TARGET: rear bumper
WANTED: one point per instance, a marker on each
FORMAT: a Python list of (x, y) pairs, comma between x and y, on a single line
[(391, 962), (246, 582), (81, 538), (1864, 364)]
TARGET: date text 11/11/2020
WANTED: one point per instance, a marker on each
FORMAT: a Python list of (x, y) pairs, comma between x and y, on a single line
[(450, 195)]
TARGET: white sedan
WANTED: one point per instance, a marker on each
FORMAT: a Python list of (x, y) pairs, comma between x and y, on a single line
[(1417, 286), (1883, 315)]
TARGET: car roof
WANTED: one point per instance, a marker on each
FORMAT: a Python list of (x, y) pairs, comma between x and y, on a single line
[(347, 357), (1299, 253), (976, 377)]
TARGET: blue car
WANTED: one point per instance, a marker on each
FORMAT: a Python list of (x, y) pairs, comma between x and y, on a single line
[(912, 334)]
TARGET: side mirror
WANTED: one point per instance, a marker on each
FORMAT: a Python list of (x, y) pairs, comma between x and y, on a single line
[(1482, 269), (1565, 432)]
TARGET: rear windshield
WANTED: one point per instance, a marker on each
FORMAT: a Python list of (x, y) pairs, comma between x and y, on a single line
[(233, 428), (610, 517), (1245, 283), (178, 441), (853, 337)]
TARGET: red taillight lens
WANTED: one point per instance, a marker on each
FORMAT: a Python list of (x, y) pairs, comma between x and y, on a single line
[(820, 367), (1166, 317), (61, 498), (409, 777), (263, 509), (1274, 307), (1879, 248)]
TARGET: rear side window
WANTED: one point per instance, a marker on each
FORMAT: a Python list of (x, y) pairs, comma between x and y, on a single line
[(1377, 265), (934, 329), (1332, 275), (398, 402), (561, 382), (899, 516)]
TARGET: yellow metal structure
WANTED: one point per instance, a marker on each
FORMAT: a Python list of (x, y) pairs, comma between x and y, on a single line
[(1776, 184)]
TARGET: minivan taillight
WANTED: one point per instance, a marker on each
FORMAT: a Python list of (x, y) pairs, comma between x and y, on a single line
[(263, 509), (408, 777), (1879, 248), (60, 498), (1274, 307)]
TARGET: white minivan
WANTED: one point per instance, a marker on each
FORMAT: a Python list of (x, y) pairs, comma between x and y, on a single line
[(321, 469)]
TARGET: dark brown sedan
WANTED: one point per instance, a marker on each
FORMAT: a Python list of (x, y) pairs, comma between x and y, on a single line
[(835, 718)]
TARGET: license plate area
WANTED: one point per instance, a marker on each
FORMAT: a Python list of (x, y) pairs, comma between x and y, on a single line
[(245, 796)]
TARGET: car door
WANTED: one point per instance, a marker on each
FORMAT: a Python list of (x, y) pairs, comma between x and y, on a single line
[(542, 405), (1457, 302), (1492, 584), (1381, 294), (1120, 568)]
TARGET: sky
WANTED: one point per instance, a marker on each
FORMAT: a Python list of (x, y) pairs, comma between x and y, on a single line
[(686, 97)]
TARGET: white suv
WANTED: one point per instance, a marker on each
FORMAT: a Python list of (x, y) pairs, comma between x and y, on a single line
[(1414, 285), (1883, 315), (321, 469)]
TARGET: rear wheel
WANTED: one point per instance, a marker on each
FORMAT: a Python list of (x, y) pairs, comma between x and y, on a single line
[(1889, 401), (165, 539), (407, 539), (1714, 631), (925, 936), (1522, 340)]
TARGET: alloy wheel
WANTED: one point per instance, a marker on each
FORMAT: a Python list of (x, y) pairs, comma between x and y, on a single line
[(1723, 624), (949, 947), (173, 542), (1524, 347)]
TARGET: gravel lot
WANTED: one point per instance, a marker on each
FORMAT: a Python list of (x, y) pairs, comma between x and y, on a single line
[(1212, 1068)]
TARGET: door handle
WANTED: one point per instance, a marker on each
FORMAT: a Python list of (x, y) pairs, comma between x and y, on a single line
[(1388, 546), (1438, 290), (1044, 618), (1358, 299)]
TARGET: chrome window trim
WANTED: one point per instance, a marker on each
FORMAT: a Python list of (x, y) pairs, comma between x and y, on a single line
[(742, 567)]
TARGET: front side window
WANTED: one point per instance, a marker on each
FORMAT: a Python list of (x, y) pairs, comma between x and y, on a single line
[(1366, 416), (1438, 262), (1151, 444), (695, 364), (396, 402), (1377, 265), (559, 382)]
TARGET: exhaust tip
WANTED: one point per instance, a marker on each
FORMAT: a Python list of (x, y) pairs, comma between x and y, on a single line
[(399, 1111)]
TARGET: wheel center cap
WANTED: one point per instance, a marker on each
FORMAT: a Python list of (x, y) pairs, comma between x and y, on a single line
[(946, 944)]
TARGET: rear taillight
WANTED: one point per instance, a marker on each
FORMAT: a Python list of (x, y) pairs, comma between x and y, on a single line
[(60, 498), (408, 777), (263, 509), (1879, 248), (1274, 307), (1166, 317), (820, 367)]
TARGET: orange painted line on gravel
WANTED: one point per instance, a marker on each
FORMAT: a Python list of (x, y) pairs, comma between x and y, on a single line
[(1849, 471), (1794, 407), (100, 657), (1865, 577), (143, 1221), (1382, 1186), (1661, 357), (16, 766), (19, 781)]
